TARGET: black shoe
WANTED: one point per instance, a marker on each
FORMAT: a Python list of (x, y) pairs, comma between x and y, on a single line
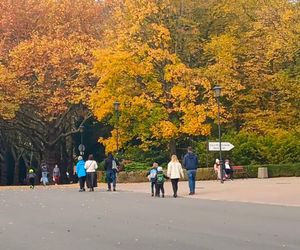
[(175, 195), (114, 190), (163, 196), (152, 195), (83, 189), (92, 189)]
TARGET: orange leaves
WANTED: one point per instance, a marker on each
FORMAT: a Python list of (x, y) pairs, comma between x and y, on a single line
[(159, 93), (56, 71), (165, 130)]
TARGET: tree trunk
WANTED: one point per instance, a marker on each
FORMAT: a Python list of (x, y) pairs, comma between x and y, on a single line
[(3, 180), (64, 161), (17, 172), (172, 147)]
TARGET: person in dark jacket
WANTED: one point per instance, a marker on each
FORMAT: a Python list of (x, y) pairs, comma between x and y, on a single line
[(190, 163), (31, 178), (111, 166)]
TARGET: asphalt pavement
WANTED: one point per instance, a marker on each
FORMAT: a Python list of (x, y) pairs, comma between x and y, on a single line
[(62, 218)]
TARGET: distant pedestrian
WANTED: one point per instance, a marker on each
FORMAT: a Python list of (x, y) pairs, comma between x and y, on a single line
[(56, 175), (31, 178), (161, 177), (152, 176), (175, 172), (228, 170), (218, 169), (44, 169), (111, 167), (191, 163), (81, 173), (91, 166)]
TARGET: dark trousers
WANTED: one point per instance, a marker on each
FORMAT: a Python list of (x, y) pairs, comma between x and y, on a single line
[(82, 182), (91, 180), (160, 187), (153, 187), (229, 173), (31, 181), (175, 186), (111, 177)]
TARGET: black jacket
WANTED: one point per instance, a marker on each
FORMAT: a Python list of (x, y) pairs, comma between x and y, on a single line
[(108, 163)]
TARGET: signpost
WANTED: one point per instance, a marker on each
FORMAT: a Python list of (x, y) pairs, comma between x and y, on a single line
[(215, 146), (81, 149)]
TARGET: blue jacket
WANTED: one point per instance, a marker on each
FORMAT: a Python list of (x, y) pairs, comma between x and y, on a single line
[(80, 170), (190, 161)]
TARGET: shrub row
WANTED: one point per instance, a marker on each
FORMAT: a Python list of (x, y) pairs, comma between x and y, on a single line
[(283, 170)]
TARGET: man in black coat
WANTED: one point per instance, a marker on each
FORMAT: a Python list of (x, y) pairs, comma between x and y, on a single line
[(111, 166)]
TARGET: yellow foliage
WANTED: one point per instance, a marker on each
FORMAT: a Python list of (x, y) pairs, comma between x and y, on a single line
[(165, 130)]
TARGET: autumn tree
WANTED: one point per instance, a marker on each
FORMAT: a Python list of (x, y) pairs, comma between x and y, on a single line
[(162, 98), (46, 69)]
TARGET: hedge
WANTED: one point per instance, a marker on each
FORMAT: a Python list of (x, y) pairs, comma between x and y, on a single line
[(280, 170)]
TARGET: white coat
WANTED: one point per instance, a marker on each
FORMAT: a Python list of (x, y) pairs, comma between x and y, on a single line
[(175, 170)]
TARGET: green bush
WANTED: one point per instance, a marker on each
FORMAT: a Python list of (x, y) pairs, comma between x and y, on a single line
[(136, 166), (159, 155), (276, 170), (254, 149)]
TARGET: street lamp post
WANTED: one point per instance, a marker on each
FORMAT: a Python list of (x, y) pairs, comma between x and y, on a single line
[(117, 108), (81, 148), (217, 90)]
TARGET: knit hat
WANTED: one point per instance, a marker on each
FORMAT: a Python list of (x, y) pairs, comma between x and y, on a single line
[(159, 169)]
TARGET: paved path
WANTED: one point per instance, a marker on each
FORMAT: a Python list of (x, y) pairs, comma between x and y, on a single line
[(61, 218), (277, 191)]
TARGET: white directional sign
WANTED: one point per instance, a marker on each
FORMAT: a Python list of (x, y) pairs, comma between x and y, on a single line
[(215, 146)]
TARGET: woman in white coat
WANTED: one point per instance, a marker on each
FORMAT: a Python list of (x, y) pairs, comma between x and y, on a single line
[(175, 172), (91, 167)]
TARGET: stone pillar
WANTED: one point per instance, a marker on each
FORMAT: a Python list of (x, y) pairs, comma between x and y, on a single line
[(262, 173)]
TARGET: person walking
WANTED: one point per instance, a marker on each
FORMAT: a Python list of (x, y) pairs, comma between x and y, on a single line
[(111, 168), (174, 172), (45, 172), (191, 163), (81, 173), (160, 180), (152, 176), (31, 178), (218, 168), (90, 167), (56, 175)]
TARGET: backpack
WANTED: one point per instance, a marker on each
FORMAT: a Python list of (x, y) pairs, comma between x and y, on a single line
[(114, 165), (152, 175), (160, 178)]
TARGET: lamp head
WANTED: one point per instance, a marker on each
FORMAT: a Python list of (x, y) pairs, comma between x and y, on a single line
[(116, 105), (81, 128), (217, 89)]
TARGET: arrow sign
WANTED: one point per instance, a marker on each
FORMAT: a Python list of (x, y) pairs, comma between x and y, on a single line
[(215, 146), (81, 148)]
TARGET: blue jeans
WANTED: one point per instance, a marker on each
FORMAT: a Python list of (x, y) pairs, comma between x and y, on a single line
[(111, 177), (192, 180)]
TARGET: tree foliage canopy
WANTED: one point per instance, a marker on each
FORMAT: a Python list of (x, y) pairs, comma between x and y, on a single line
[(62, 62)]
